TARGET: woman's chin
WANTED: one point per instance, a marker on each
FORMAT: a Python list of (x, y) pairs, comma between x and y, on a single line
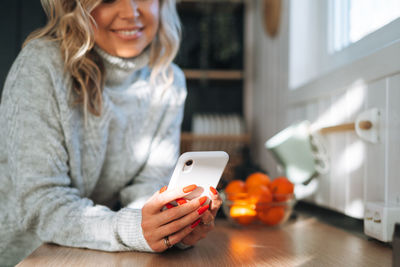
[(127, 53)]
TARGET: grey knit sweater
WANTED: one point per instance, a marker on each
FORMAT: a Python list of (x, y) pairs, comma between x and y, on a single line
[(59, 177)]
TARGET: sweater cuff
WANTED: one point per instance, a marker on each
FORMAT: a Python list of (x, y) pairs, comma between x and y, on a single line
[(129, 230)]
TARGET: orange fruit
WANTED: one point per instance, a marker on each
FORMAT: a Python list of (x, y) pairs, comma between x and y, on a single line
[(261, 196), (234, 189), (243, 214), (271, 216), (281, 188), (256, 179)]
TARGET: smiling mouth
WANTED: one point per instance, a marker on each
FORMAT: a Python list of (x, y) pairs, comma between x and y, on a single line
[(127, 33)]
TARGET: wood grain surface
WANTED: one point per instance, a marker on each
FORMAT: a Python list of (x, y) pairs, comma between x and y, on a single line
[(300, 242)]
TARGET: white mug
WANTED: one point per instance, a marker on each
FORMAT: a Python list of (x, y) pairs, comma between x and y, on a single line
[(300, 152)]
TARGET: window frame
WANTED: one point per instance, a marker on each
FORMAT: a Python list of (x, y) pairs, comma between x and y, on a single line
[(355, 61)]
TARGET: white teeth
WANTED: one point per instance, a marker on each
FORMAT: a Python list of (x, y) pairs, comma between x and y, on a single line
[(128, 32)]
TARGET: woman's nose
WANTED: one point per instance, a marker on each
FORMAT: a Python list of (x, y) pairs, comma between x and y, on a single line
[(129, 9)]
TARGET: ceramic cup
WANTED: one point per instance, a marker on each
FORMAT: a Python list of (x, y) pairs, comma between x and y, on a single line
[(300, 153)]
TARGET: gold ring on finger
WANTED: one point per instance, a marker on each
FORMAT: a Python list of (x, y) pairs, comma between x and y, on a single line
[(166, 242)]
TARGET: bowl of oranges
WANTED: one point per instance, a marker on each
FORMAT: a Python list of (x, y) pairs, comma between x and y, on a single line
[(258, 200)]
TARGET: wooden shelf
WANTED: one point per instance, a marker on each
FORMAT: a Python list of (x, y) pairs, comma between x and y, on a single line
[(190, 137), (214, 74)]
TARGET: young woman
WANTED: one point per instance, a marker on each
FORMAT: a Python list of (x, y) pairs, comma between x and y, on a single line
[(91, 113)]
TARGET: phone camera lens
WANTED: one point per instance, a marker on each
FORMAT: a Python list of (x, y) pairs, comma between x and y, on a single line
[(189, 162)]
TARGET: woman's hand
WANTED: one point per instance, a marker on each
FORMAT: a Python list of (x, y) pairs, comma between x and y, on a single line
[(207, 221), (163, 229)]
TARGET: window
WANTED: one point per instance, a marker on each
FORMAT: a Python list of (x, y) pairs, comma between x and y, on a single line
[(352, 20), (327, 35)]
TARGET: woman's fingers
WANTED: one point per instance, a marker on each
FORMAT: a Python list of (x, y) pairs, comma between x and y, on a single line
[(208, 218), (174, 213), (179, 225), (216, 201), (196, 235), (189, 222), (175, 237), (180, 222), (163, 196)]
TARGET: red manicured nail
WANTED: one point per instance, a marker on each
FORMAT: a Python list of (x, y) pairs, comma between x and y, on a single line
[(189, 188), (202, 200), (163, 189), (195, 223), (169, 206), (202, 209), (181, 201), (213, 190)]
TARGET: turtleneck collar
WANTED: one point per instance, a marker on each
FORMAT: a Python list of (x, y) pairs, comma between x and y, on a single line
[(119, 69)]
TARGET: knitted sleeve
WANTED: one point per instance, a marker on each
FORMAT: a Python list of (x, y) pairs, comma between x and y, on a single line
[(47, 203)]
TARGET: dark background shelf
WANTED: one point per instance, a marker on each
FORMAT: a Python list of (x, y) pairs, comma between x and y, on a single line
[(212, 39), (212, 35), (212, 96)]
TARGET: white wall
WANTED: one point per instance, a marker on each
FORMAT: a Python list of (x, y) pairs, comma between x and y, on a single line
[(359, 171), (270, 78)]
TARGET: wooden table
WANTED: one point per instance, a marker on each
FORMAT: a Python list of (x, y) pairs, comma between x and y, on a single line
[(300, 242)]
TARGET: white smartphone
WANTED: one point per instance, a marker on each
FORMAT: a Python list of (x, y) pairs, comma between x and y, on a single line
[(202, 168)]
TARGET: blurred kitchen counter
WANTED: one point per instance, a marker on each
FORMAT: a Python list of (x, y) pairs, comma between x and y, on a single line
[(302, 241)]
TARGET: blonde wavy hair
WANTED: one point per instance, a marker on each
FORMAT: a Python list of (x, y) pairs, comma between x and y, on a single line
[(69, 23)]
